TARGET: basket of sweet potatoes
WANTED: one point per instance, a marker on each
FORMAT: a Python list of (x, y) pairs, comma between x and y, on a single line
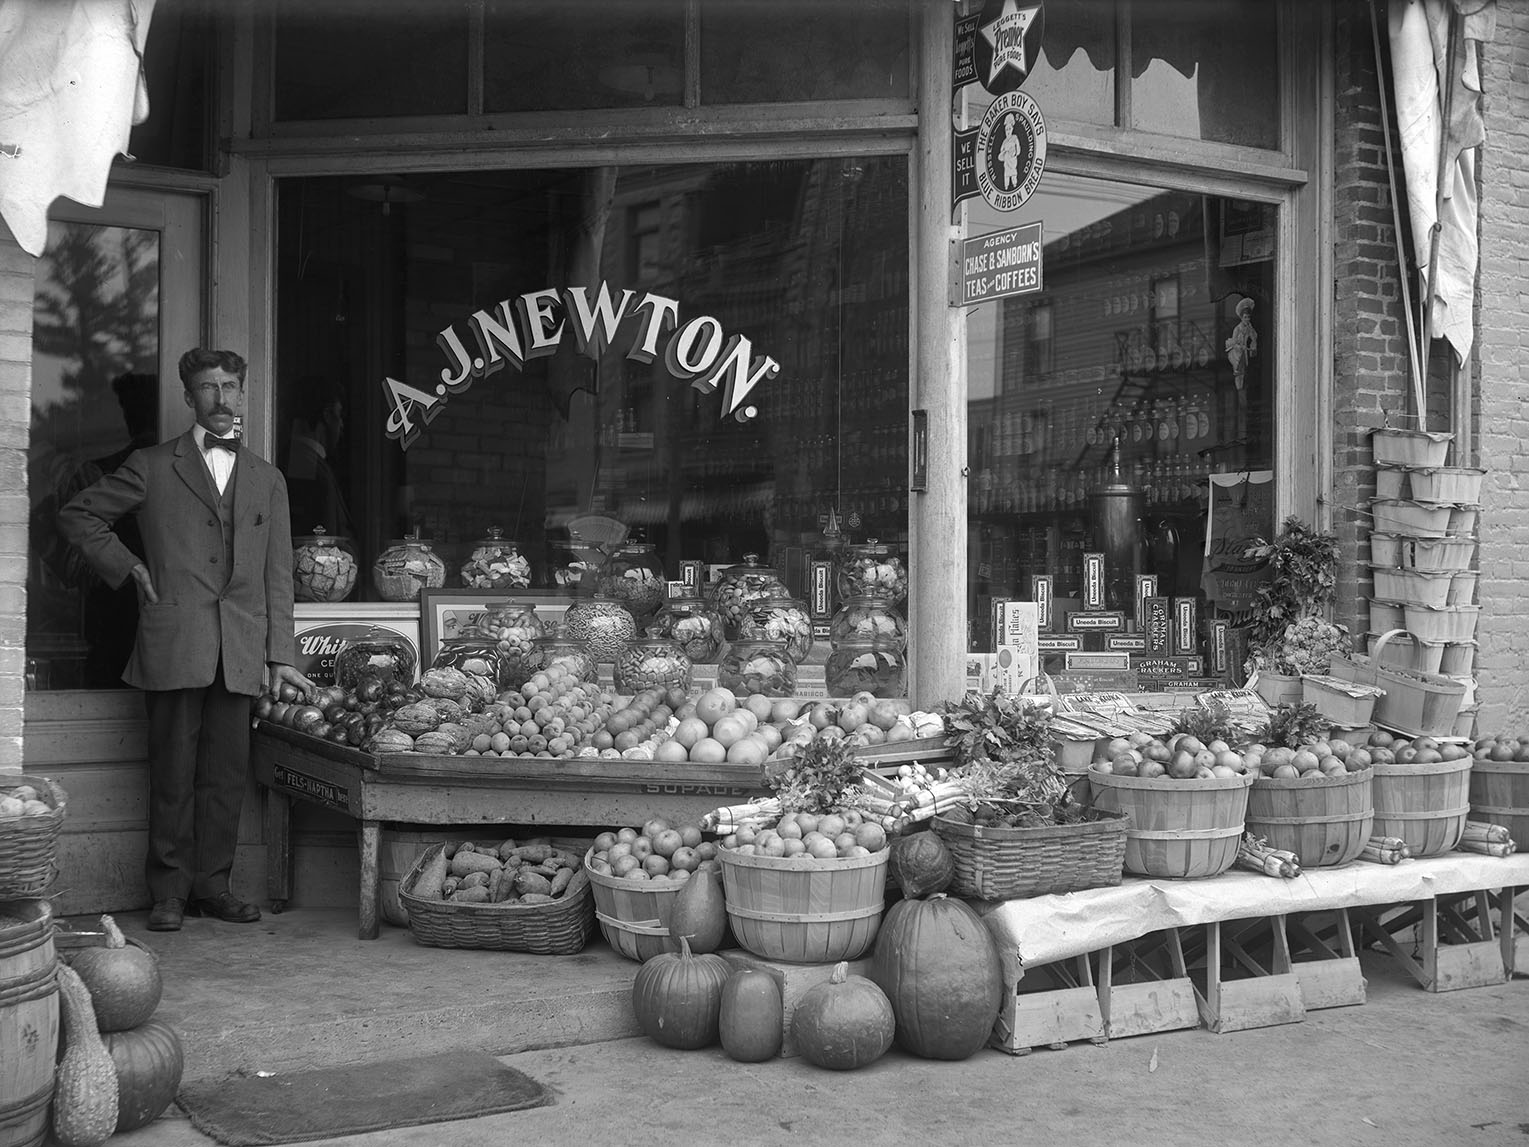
[(528, 897)]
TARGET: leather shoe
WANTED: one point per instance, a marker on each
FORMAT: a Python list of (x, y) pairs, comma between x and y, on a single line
[(166, 915), (225, 906)]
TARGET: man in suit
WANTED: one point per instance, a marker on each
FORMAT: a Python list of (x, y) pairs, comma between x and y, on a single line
[(215, 616)]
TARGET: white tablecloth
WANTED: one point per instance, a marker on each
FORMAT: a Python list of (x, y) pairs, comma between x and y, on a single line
[(1048, 928)]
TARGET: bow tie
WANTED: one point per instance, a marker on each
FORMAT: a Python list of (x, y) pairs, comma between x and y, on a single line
[(210, 442)]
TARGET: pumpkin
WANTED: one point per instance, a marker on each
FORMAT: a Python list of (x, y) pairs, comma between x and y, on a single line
[(390, 741), (921, 864), (85, 1086), (844, 1023), (149, 1062), (700, 910), (938, 964), (678, 997), (752, 1021), (122, 979)]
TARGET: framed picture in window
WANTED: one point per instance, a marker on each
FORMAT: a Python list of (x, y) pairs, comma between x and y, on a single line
[(447, 613)]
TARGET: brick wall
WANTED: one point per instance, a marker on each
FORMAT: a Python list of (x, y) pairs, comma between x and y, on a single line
[(15, 405), (1502, 664)]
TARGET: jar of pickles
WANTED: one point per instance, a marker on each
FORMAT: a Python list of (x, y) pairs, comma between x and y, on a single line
[(514, 626), (693, 624), (871, 619), (858, 665), (603, 624), (323, 567), (872, 570), (634, 575), (559, 649), (757, 666), (780, 618), (407, 566), (652, 663), (495, 563), (740, 586), (473, 653)]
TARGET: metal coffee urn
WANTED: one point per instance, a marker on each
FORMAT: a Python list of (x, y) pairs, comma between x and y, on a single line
[(1116, 511)]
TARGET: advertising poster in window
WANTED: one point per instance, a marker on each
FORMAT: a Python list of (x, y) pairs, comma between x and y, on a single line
[(1241, 510)]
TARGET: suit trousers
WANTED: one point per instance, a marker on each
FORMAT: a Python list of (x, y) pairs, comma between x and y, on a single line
[(199, 752)]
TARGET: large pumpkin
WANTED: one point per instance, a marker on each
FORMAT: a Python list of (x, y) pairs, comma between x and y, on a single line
[(752, 1022), (149, 1063), (940, 968), (678, 997), (844, 1023), (700, 910), (921, 864), (123, 980)]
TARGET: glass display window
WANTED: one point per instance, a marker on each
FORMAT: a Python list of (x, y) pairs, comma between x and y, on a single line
[(711, 359)]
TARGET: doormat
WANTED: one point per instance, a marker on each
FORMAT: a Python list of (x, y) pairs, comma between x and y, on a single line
[(248, 1111)]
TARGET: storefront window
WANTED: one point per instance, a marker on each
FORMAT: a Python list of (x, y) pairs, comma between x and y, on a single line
[(177, 60), (1114, 409), (95, 398), (570, 428)]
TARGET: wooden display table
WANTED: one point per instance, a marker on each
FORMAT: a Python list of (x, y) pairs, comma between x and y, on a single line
[(426, 789)]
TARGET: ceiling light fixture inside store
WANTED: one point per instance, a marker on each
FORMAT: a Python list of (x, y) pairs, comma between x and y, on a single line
[(386, 190), (648, 71)]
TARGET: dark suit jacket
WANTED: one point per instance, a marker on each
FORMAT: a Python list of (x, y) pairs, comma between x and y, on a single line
[(203, 609)]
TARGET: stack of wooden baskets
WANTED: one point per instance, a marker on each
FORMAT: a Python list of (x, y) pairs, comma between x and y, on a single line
[(994, 863)]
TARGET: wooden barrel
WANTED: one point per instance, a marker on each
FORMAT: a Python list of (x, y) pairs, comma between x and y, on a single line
[(633, 914), (1500, 795), (805, 911), (1182, 829), (1425, 805), (28, 1020), (1324, 822)]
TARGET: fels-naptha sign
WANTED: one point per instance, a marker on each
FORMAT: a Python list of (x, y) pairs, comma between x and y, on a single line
[(536, 324)]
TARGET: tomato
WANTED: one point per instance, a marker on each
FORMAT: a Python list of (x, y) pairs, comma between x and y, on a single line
[(339, 734)]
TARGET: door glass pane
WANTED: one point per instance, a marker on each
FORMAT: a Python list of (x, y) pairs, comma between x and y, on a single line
[(1105, 407), (800, 262), (95, 398)]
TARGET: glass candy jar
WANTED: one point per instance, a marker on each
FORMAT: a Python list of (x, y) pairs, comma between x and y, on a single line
[(740, 586), (872, 570), (756, 666), (876, 667), (476, 654), (378, 653), (323, 567), (693, 624), (495, 563), (652, 663), (634, 575), (869, 619), (780, 618), (407, 566), (514, 626), (558, 648), (604, 624)]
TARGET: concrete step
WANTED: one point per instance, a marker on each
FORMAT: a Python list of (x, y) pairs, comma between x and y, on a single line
[(299, 990)]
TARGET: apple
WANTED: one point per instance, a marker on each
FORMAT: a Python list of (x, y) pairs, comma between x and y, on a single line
[(1183, 765), (1153, 769)]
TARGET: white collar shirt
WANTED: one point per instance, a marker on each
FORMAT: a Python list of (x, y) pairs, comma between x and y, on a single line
[(220, 463)]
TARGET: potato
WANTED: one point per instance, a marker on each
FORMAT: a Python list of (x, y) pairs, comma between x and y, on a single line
[(527, 882), (35, 808), (464, 862), (10, 806)]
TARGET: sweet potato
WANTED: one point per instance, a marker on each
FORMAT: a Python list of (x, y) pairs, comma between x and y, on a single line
[(505, 848), (532, 882), (449, 886), (477, 894), (464, 862), (495, 883), (536, 898), (449, 849), (431, 877), (475, 880), (534, 853), (561, 881)]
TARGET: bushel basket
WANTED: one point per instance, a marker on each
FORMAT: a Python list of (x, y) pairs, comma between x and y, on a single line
[(1013, 863), (633, 915), (557, 929), (802, 910), (1417, 704), (27, 843)]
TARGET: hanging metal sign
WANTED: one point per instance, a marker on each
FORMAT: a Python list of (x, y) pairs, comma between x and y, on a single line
[(1001, 263), (1003, 157)]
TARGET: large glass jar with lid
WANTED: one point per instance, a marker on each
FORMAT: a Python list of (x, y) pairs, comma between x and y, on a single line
[(756, 666), (323, 567), (634, 575), (495, 563), (378, 654), (870, 619), (514, 625), (694, 625), (651, 663), (780, 617), (603, 624), (407, 566), (872, 569), (559, 648), (740, 586), (476, 654), (857, 665)]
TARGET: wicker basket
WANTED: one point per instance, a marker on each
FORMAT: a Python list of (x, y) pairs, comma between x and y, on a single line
[(27, 866), (557, 929), (1014, 863)]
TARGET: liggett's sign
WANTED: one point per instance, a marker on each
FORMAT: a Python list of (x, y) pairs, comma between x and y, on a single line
[(534, 325)]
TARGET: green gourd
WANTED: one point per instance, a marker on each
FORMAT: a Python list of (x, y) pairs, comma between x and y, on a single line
[(149, 1062), (700, 910), (921, 864), (85, 1087), (752, 1022), (677, 997), (843, 1024), (122, 979)]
